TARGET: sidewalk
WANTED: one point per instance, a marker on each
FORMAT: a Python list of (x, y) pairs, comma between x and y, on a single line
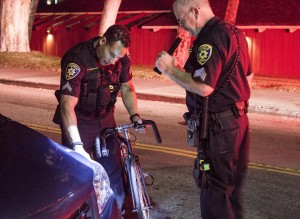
[(263, 100)]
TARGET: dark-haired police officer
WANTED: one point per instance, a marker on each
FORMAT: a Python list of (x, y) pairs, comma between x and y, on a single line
[(93, 72), (218, 69)]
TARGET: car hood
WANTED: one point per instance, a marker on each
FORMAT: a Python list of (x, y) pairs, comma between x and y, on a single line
[(38, 177)]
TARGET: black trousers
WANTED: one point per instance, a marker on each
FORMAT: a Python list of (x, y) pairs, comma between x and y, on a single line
[(228, 153), (89, 128)]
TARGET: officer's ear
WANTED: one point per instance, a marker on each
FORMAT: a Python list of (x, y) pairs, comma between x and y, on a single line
[(196, 12), (102, 40)]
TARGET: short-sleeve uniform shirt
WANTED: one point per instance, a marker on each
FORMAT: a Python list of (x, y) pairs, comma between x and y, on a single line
[(213, 55), (74, 68)]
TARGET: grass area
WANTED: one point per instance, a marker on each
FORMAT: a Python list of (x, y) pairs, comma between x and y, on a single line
[(29, 60), (39, 61)]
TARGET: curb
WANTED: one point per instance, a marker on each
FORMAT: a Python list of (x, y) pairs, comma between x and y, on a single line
[(29, 84), (141, 96), (153, 97)]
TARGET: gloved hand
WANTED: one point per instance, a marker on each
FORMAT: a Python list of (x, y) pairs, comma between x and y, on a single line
[(78, 147), (135, 119)]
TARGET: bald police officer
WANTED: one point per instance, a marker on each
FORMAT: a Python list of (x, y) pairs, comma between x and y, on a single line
[(218, 68)]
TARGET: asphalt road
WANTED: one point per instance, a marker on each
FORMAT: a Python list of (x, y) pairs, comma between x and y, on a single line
[(272, 189)]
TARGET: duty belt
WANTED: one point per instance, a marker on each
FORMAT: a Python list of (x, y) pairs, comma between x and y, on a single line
[(238, 109)]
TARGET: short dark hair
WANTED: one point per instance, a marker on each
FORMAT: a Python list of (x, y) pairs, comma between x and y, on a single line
[(118, 33)]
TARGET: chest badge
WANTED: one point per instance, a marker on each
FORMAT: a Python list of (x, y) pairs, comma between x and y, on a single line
[(204, 53), (72, 71)]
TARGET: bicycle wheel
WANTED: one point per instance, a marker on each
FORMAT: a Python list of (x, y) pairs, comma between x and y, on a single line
[(139, 190)]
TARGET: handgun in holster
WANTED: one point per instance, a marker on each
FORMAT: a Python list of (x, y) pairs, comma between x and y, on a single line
[(56, 117)]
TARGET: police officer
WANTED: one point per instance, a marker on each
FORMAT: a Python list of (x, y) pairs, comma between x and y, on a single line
[(93, 72), (218, 68)]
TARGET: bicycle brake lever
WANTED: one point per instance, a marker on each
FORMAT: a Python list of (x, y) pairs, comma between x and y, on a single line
[(104, 150)]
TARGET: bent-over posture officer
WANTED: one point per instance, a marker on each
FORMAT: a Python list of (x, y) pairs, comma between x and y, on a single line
[(218, 68), (93, 72)]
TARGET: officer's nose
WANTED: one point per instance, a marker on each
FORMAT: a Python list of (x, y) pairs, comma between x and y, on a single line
[(113, 60)]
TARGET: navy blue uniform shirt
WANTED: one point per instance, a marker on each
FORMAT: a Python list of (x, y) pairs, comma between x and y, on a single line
[(74, 69), (213, 54)]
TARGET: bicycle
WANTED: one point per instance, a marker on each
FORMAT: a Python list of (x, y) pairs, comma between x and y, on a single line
[(134, 175)]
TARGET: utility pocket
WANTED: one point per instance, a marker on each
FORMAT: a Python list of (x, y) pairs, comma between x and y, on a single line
[(104, 95), (224, 132)]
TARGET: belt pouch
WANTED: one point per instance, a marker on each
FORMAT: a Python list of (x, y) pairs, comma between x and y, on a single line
[(192, 130)]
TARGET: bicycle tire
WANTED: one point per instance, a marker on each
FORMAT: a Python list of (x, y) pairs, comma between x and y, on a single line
[(138, 190)]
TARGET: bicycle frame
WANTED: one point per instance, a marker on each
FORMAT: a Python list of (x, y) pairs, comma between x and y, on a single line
[(130, 159), (132, 167)]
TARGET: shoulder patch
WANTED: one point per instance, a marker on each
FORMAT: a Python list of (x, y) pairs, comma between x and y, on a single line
[(204, 53), (72, 71)]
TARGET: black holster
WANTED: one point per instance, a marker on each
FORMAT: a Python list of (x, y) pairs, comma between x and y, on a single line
[(192, 129), (56, 118), (197, 173), (200, 171)]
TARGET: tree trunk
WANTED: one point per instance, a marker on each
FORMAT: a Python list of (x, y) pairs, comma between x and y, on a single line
[(33, 7), (231, 11), (109, 14), (182, 52), (14, 25)]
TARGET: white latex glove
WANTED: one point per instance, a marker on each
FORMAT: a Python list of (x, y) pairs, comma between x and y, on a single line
[(80, 150)]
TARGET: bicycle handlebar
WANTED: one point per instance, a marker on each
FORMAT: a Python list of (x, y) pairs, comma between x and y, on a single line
[(154, 128), (124, 127)]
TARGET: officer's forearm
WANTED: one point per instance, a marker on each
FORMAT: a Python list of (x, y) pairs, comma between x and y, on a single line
[(129, 98), (185, 80), (70, 124), (130, 102)]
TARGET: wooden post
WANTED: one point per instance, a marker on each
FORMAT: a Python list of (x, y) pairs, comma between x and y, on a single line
[(182, 52), (231, 11)]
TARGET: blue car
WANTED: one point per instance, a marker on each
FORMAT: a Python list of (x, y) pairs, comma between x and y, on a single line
[(40, 178)]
